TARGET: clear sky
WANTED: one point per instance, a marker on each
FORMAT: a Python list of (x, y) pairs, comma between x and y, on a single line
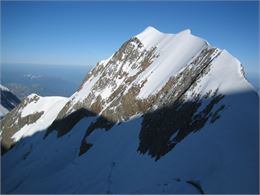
[(83, 33)]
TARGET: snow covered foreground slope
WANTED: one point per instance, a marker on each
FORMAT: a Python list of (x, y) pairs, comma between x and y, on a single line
[(164, 114)]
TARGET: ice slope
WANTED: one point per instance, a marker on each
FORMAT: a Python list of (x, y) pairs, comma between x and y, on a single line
[(50, 106)]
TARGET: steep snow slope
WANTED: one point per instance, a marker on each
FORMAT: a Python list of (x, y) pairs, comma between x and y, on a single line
[(225, 66), (175, 52), (147, 120), (8, 101)]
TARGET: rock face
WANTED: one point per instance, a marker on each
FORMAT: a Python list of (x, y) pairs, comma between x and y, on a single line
[(107, 83), (158, 110)]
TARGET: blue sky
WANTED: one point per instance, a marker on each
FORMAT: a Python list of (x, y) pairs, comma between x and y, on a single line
[(83, 33)]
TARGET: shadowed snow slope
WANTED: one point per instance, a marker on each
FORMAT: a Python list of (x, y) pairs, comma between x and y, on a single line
[(8, 100), (166, 113)]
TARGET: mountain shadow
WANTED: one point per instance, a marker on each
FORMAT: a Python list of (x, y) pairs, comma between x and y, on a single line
[(165, 127), (64, 125), (161, 130), (9, 100)]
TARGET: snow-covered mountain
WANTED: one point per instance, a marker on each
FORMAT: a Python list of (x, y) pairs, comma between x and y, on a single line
[(166, 113), (33, 114), (8, 100)]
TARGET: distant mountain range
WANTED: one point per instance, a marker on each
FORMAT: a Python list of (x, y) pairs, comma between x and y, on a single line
[(166, 113)]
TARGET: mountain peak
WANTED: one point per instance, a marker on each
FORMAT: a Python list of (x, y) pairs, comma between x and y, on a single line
[(186, 31), (150, 29), (149, 37)]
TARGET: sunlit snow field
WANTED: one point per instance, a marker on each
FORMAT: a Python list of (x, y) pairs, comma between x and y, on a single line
[(45, 80)]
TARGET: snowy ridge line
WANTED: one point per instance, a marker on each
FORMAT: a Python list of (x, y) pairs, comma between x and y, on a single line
[(35, 113), (174, 54), (4, 88), (201, 71)]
